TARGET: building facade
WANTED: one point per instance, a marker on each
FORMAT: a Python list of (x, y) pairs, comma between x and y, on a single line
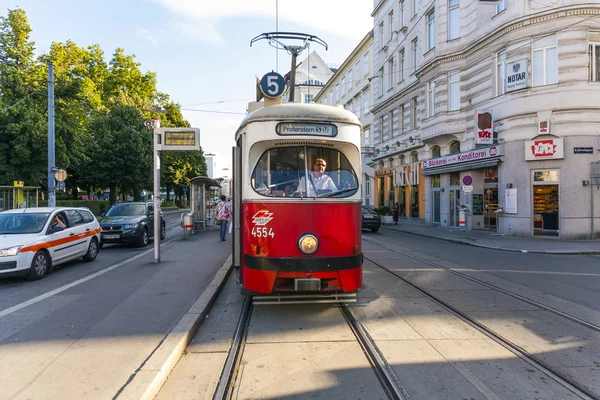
[(210, 165), (490, 109), (350, 86), (311, 75)]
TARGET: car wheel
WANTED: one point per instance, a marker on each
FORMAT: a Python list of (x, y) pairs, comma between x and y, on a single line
[(143, 241), (40, 266), (92, 251), (163, 232), (374, 230)]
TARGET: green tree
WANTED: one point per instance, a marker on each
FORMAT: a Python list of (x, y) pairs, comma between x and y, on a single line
[(23, 130)]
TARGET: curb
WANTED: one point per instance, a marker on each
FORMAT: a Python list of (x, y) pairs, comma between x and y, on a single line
[(485, 246), (150, 377)]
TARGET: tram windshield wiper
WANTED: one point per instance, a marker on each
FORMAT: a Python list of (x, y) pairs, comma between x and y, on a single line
[(339, 192)]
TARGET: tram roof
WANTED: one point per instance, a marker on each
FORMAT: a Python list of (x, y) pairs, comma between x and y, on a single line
[(302, 112)]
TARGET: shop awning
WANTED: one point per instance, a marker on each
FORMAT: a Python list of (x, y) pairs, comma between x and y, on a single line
[(463, 166)]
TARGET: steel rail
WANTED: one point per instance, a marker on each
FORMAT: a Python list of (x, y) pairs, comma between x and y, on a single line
[(542, 366), (234, 357), (516, 296), (386, 376)]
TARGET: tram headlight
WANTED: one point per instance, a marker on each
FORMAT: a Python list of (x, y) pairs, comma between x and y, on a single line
[(308, 243)]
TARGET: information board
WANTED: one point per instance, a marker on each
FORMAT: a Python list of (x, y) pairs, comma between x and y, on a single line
[(477, 204), (511, 201), (182, 139)]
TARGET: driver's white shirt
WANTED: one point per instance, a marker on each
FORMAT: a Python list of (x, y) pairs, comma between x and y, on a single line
[(324, 182)]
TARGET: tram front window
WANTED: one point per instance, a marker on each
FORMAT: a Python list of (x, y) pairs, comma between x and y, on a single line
[(304, 172)]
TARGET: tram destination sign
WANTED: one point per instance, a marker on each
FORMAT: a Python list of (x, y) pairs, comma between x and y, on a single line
[(306, 128), (182, 139)]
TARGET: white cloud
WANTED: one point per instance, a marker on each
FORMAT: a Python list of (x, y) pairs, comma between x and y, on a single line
[(343, 18), (146, 34)]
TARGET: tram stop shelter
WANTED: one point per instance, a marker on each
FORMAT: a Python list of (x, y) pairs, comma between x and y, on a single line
[(18, 197), (202, 191)]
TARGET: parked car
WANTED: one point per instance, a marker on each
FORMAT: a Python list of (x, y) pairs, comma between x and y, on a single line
[(130, 222), (33, 242), (370, 219)]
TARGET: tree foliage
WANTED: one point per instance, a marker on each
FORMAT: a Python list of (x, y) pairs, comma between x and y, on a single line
[(100, 108)]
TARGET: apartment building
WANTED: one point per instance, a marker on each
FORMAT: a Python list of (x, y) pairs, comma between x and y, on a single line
[(350, 87), (490, 108)]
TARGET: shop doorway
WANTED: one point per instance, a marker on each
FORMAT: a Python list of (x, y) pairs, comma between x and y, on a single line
[(454, 206), (545, 210), (490, 206)]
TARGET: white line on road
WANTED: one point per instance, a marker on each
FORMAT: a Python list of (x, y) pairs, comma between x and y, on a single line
[(61, 289)]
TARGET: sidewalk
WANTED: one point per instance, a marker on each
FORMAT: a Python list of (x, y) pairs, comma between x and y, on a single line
[(490, 240)]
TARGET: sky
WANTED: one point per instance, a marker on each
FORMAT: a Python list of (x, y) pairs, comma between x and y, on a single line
[(200, 49)]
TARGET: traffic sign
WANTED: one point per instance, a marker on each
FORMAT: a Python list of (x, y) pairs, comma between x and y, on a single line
[(272, 84), (467, 180), (467, 189), (60, 175), (60, 185)]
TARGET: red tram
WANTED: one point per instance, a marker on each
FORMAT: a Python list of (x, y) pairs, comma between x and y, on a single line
[(297, 203)]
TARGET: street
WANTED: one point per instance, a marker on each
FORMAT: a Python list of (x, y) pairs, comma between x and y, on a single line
[(484, 334)]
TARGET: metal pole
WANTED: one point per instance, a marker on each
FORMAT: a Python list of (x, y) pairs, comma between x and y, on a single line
[(51, 160), (592, 201), (157, 138), (294, 50)]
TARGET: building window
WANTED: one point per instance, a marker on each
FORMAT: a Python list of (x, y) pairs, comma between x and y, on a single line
[(453, 19), (401, 120), (367, 186), (343, 84), (337, 93), (453, 91), (435, 152), (349, 81), (366, 101), (356, 73), (545, 61), (349, 106), (391, 124), (390, 73), (401, 16), (381, 129), (391, 24), (381, 33), (455, 179), (430, 30), (413, 6), (413, 114), (308, 98), (594, 54), (331, 97), (358, 109), (366, 64), (380, 81), (500, 73), (414, 157), (455, 147), (414, 54), (501, 6), (366, 133), (401, 66), (431, 98)]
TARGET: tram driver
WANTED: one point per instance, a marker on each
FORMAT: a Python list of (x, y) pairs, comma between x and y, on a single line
[(317, 180)]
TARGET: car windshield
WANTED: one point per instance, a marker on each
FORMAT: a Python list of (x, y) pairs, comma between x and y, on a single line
[(22, 223), (126, 210), (368, 210), (304, 172)]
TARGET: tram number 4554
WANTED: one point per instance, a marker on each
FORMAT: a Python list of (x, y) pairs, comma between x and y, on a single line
[(263, 232)]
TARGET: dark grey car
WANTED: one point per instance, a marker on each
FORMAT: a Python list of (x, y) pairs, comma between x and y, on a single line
[(130, 222), (370, 219)]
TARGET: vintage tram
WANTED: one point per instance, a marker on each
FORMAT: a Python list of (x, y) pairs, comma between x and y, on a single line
[(297, 200)]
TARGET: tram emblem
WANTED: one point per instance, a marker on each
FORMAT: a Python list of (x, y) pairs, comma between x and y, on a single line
[(262, 217)]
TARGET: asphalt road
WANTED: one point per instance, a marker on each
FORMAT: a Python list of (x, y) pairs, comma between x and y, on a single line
[(574, 278)]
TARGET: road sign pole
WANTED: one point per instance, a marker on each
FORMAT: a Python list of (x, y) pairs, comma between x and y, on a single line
[(51, 188), (157, 137)]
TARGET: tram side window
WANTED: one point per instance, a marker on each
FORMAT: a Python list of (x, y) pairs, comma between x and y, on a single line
[(284, 173)]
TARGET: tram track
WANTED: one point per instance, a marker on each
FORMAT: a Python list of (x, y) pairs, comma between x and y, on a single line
[(531, 359)]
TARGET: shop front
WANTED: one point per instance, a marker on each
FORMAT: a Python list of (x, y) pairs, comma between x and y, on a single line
[(467, 180), (409, 187)]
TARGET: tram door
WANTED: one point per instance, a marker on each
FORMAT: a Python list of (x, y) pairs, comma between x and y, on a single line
[(454, 206), (237, 210)]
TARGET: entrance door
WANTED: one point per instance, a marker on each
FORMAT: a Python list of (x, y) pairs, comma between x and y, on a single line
[(545, 210), (490, 205), (454, 206)]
